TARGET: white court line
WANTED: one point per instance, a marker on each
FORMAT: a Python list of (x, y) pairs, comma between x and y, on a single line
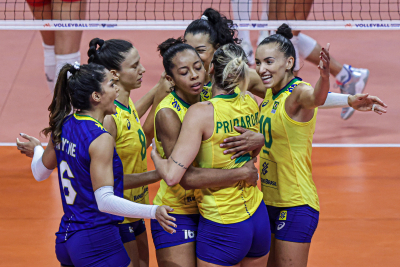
[(314, 145), (14, 144)]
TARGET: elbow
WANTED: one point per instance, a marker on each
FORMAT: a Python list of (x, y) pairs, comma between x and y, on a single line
[(185, 185), (170, 181), (320, 101)]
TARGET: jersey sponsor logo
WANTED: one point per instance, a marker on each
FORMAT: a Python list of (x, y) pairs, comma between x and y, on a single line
[(280, 226), (205, 94), (128, 124), (131, 230), (175, 104), (265, 168), (136, 117), (290, 89), (140, 196), (264, 103), (268, 182), (189, 234), (190, 199), (283, 215), (244, 121), (274, 107)]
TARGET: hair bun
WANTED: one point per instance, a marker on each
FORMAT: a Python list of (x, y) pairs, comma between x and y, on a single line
[(285, 31), (170, 42)]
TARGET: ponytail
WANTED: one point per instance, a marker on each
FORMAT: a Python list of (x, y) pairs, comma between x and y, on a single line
[(74, 87), (221, 30), (230, 67), (110, 53)]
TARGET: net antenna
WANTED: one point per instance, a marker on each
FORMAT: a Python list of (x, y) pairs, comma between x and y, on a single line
[(178, 14)]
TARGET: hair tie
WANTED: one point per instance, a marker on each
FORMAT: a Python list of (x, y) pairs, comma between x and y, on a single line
[(100, 43), (204, 17), (73, 69)]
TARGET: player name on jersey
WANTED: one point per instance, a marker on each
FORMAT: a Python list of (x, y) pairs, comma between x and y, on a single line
[(67, 146), (244, 121)]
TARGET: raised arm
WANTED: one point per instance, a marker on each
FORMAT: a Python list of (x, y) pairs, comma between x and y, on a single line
[(148, 126), (306, 97), (144, 103)]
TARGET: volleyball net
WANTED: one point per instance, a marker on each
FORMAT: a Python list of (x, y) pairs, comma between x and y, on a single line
[(176, 15)]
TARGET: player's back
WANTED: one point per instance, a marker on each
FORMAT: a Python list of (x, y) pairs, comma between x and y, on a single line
[(238, 202), (73, 162)]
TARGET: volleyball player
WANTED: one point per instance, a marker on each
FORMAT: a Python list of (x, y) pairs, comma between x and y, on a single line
[(233, 226), (287, 120), (185, 71), (350, 80), (123, 61), (90, 171), (59, 47)]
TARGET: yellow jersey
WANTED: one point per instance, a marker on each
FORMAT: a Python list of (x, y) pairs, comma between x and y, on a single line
[(131, 148), (239, 201), (181, 200), (285, 159)]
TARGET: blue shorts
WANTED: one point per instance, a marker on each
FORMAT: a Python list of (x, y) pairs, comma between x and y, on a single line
[(229, 244), (129, 231), (186, 231), (100, 246), (294, 224)]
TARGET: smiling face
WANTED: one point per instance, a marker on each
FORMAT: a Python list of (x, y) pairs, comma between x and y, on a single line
[(188, 72), (131, 71), (201, 42), (272, 64), (108, 94)]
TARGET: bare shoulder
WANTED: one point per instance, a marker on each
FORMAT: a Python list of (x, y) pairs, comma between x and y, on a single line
[(102, 144), (201, 111), (252, 96), (301, 88), (166, 114)]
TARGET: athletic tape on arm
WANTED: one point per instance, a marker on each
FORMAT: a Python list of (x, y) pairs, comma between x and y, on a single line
[(110, 203), (334, 100), (39, 171)]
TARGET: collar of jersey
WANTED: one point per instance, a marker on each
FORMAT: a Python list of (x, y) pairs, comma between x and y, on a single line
[(209, 84), (295, 79), (185, 104), (121, 106), (80, 117), (230, 96)]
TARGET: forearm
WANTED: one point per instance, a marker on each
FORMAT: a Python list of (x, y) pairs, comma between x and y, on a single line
[(148, 126), (136, 180), (109, 203), (334, 100), (144, 103), (199, 178), (321, 91)]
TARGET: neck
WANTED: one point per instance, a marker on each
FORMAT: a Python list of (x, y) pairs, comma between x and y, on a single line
[(279, 86), (188, 98), (218, 91), (206, 79), (123, 97), (95, 114)]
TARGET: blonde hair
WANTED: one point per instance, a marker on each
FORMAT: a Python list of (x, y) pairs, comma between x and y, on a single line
[(230, 67)]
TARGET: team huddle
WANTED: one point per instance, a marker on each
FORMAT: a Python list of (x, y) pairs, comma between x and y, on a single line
[(207, 130)]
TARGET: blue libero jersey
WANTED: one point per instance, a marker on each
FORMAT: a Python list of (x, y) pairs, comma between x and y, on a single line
[(73, 162)]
